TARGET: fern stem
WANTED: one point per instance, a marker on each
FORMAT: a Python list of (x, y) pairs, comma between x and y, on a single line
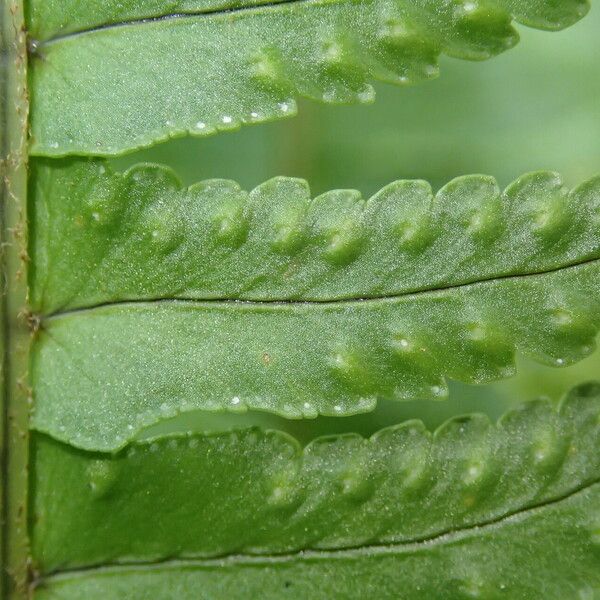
[(15, 334)]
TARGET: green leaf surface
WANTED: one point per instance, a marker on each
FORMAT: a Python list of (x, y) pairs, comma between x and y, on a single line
[(470, 120), (99, 237), (552, 552), (51, 18), (256, 492), (298, 359), (205, 73)]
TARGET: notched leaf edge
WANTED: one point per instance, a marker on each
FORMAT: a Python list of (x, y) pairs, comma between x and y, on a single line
[(255, 80), (404, 485), (141, 236)]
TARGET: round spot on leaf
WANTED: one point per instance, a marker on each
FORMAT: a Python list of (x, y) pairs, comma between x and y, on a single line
[(102, 476)]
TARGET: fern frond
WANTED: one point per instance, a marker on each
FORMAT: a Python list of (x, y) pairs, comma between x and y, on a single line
[(100, 237), (472, 504), (50, 18), (198, 74), (298, 359), (149, 300), (345, 301)]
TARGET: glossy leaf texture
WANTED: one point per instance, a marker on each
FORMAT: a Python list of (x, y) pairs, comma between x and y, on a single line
[(100, 237), (131, 365), (554, 549), (492, 510), (51, 18), (198, 74), (259, 492), (48, 19)]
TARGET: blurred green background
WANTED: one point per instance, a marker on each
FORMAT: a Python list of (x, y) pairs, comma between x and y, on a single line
[(535, 107)]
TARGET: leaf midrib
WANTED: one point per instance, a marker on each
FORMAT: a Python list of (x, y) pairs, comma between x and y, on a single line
[(208, 12), (326, 302), (447, 536)]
